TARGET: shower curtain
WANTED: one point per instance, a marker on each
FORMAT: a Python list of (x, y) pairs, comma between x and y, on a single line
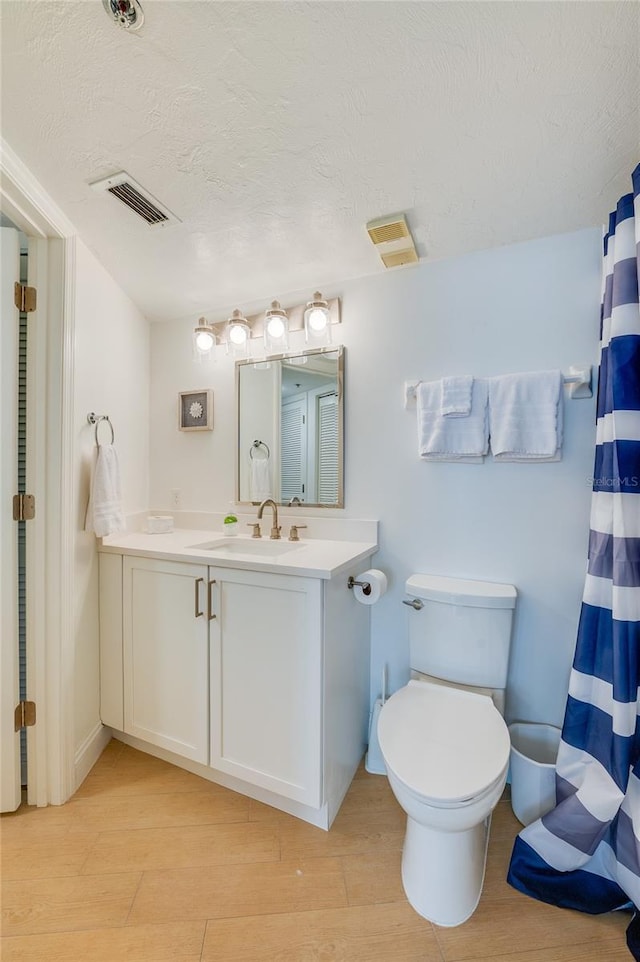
[(585, 853)]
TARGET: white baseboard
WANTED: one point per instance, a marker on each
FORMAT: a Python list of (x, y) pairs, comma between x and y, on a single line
[(89, 752)]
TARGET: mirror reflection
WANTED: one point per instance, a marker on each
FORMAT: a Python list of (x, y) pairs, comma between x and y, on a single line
[(290, 428)]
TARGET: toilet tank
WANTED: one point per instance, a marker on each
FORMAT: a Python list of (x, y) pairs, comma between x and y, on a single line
[(462, 633)]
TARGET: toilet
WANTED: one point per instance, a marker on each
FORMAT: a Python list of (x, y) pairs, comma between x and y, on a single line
[(444, 740)]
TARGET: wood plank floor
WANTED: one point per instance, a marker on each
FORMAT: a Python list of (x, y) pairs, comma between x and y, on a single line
[(148, 863)]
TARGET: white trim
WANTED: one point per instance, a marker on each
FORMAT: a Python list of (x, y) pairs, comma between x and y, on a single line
[(89, 752), (36, 484), (24, 200), (51, 674), (59, 654), (9, 672)]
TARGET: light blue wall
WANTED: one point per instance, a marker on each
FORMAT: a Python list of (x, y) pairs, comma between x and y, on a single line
[(526, 307)]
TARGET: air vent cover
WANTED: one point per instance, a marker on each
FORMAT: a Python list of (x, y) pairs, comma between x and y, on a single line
[(133, 196), (388, 231), (393, 240)]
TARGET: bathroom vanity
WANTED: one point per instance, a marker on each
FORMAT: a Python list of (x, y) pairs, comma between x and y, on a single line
[(246, 662)]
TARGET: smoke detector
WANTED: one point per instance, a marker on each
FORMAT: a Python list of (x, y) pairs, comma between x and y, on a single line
[(138, 200), (124, 13), (393, 240)]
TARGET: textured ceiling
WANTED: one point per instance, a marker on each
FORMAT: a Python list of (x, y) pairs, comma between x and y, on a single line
[(276, 130)]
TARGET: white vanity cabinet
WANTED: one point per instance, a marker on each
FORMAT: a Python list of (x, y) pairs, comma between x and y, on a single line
[(166, 655), (266, 682), (255, 679)]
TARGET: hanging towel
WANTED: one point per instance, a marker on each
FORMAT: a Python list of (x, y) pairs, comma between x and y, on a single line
[(452, 439), (104, 512), (455, 401), (259, 479), (525, 416)]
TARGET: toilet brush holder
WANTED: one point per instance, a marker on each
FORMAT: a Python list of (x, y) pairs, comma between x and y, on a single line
[(373, 761)]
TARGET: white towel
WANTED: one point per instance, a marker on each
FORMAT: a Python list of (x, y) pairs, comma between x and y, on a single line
[(259, 479), (525, 416), (452, 439), (455, 401), (104, 512)]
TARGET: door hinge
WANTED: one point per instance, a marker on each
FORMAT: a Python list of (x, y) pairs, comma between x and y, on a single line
[(24, 507), (25, 298), (25, 715)]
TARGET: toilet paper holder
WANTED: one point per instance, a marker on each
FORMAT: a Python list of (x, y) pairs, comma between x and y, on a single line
[(366, 587)]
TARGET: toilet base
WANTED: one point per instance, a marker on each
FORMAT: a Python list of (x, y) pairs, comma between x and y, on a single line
[(443, 872)]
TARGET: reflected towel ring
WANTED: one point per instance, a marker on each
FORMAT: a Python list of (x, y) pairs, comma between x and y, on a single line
[(96, 419), (259, 444)]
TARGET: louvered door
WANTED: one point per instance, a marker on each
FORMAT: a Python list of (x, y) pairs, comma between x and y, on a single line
[(328, 440), (293, 449)]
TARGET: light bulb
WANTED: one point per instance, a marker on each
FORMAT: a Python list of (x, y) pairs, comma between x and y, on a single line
[(317, 319), (276, 326), (237, 334), (204, 341)]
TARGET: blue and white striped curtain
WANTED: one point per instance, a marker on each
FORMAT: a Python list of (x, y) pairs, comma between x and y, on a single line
[(585, 853)]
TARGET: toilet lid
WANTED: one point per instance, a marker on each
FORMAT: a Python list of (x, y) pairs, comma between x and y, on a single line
[(444, 743)]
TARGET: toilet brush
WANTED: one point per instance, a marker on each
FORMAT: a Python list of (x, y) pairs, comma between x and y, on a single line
[(373, 761)]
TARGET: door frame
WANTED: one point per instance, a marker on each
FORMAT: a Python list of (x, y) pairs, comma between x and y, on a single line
[(50, 537), (10, 742)]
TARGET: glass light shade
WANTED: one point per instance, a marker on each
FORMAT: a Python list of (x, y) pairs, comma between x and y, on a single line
[(204, 340), (275, 327), (317, 321), (276, 330), (238, 334)]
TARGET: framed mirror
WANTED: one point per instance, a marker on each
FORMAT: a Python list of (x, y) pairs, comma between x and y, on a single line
[(290, 416)]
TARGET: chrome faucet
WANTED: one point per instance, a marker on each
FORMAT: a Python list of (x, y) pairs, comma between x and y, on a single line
[(275, 530)]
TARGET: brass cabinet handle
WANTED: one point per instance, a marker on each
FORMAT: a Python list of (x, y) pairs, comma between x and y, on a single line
[(198, 582), (210, 614)]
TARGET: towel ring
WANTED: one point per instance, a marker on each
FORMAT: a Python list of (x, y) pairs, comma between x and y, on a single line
[(259, 444), (96, 419)]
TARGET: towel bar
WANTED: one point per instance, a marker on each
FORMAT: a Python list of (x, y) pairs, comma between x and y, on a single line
[(579, 379)]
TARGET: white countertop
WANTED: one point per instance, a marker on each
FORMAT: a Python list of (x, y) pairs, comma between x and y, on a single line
[(312, 558)]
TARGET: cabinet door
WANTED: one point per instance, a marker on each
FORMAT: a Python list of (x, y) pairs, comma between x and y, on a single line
[(266, 682), (166, 655)]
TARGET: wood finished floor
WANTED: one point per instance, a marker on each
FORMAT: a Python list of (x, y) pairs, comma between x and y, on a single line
[(148, 863)]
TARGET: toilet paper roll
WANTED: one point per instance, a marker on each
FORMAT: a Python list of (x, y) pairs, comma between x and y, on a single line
[(377, 581)]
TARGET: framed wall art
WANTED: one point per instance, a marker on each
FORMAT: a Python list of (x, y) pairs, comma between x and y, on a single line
[(195, 410)]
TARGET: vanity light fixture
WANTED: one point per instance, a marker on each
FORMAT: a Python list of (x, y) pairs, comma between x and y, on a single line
[(242, 335), (317, 321), (238, 333), (276, 330), (204, 339)]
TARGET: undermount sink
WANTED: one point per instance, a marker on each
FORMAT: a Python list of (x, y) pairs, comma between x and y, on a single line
[(248, 546)]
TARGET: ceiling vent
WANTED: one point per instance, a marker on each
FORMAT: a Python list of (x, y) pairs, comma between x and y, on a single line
[(133, 196), (393, 240)]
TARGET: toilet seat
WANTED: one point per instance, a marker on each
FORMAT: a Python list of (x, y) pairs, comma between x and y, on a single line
[(448, 746)]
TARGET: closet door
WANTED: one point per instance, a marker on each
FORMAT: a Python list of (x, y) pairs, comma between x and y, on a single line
[(328, 440), (293, 449)]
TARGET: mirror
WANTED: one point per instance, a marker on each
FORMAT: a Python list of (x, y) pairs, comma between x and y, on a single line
[(290, 429)]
